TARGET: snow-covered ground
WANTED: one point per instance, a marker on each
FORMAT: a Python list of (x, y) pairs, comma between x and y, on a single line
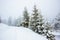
[(57, 35), (18, 33), (21, 33)]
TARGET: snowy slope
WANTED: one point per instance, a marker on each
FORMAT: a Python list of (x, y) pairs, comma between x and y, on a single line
[(57, 35), (18, 33)]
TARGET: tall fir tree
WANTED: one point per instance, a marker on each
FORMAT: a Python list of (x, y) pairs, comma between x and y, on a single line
[(25, 22), (38, 25), (34, 19), (41, 24), (48, 32)]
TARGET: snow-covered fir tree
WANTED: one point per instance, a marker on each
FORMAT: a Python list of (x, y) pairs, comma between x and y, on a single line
[(38, 25), (57, 22), (41, 24), (48, 32), (34, 19), (25, 22)]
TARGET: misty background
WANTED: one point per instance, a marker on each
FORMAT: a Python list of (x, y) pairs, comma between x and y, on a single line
[(13, 9)]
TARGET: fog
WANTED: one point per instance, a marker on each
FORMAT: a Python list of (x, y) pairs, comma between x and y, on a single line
[(49, 8)]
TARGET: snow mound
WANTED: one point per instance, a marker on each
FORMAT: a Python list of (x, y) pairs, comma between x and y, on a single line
[(19, 33)]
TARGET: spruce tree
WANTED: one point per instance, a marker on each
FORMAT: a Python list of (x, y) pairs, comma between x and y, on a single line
[(25, 22), (34, 19), (38, 25), (37, 21), (41, 24), (48, 32)]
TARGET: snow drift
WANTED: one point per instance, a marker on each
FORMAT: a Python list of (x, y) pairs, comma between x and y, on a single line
[(18, 33)]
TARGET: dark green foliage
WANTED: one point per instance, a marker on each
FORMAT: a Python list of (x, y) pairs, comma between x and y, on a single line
[(35, 19), (25, 22), (48, 32), (50, 37)]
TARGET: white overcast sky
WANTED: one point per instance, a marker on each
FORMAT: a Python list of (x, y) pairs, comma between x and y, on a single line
[(15, 8)]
